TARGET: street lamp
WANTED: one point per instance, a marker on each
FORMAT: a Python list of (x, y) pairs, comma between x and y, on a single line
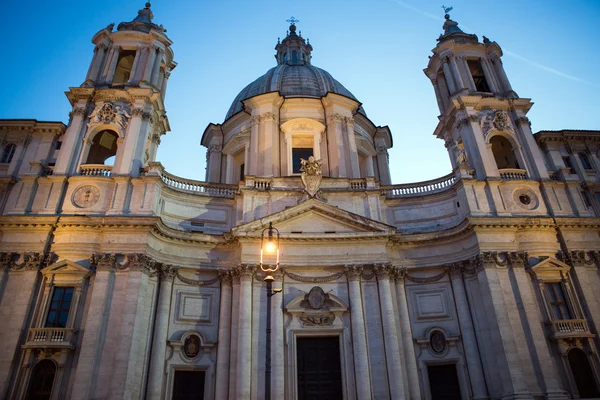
[(269, 245)]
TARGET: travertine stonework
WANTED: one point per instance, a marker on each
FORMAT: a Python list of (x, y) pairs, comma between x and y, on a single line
[(492, 269)]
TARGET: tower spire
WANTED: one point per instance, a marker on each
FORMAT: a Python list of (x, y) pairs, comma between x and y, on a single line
[(293, 49)]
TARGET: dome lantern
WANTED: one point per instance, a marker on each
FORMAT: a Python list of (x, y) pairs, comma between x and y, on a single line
[(293, 50)]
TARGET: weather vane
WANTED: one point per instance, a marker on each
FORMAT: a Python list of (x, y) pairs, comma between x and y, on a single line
[(292, 20), (446, 9)]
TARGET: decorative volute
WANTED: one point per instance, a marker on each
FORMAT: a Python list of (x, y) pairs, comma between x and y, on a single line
[(293, 50)]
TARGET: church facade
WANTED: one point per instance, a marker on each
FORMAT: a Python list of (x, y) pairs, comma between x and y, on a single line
[(122, 281)]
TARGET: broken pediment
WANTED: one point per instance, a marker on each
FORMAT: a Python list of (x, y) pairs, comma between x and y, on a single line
[(317, 218), (316, 309)]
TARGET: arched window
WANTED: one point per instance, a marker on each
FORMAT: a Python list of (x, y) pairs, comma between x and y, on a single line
[(294, 57), (7, 154), (104, 146), (585, 161), (42, 379), (582, 372), (503, 154), (124, 65)]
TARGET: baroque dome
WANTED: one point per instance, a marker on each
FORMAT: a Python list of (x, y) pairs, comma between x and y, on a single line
[(294, 76)]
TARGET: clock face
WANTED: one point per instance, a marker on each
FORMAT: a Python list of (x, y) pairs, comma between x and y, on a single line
[(86, 196)]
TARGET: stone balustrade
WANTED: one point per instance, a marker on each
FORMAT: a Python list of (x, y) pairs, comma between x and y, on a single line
[(196, 187), (512, 174), (50, 337), (569, 328), (420, 188), (96, 170), (358, 184)]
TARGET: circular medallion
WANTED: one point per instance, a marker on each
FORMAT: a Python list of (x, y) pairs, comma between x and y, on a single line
[(525, 198), (86, 196), (191, 346), (437, 341)]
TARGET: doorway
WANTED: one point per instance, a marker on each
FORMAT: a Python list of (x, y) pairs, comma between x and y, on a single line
[(443, 382), (583, 374), (319, 368), (188, 385)]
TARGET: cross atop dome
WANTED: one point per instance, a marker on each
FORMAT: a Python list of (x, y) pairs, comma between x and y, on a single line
[(293, 50)]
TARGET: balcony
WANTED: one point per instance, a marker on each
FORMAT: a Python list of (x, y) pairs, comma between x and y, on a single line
[(512, 174), (420, 188), (569, 328), (96, 170), (50, 338)]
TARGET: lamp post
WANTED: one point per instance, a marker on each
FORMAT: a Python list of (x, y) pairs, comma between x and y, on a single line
[(270, 245)]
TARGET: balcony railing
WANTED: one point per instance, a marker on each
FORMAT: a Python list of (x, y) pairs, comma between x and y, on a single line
[(565, 328), (420, 188), (50, 337), (198, 187), (513, 174), (96, 170)]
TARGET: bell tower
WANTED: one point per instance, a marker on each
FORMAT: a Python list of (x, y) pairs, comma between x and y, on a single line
[(483, 121), (118, 113)]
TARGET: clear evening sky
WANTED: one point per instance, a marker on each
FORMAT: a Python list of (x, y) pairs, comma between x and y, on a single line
[(376, 48)]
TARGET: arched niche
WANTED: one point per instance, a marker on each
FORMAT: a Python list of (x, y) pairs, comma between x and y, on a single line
[(101, 145), (301, 135), (505, 150)]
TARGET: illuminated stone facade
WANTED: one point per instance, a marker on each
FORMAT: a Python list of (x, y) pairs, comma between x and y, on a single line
[(121, 281)]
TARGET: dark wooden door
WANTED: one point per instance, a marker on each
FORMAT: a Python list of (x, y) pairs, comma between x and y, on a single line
[(188, 385), (42, 380), (443, 382), (583, 374), (319, 368)]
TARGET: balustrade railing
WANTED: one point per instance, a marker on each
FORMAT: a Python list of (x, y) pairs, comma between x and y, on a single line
[(262, 184), (50, 336), (565, 327), (420, 188), (96, 170), (512, 174), (358, 184), (192, 186)]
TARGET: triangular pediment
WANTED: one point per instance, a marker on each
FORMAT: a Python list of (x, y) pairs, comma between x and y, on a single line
[(65, 267), (550, 264), (315, 217)]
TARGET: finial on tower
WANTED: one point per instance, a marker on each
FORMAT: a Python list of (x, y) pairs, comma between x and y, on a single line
[(447, 11), (292, 20), (148, 5)]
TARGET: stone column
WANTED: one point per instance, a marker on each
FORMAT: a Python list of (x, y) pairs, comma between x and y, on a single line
[(127, 150), (222, 381), (497, 62), (68, 152), (112, 66), (457, 76), (449, 78), (277, 340), (354, 163), (394, 364), (244, 350), (99, 55), (469, 77), (488, 76), (156, 67), (410, 361), (163, 86), (467, 332), (136, 62), (150, 64), (157, 373), (214, 153), (359, 340), (235, 300), (252, 166)]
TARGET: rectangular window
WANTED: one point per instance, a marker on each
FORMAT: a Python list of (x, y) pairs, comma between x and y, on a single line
[(558, 303), (476, 70), (242, 172), (297, 154), (59, 307)]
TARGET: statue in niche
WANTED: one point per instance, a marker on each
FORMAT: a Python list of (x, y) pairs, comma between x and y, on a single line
[(312, 176)]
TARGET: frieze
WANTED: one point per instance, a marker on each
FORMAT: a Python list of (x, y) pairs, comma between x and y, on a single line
[(430, 279), (383, 271), (104, 261), (317, 320), (314, 279), (518, 259), (33, 262), (197, 282), (581, 258), (109, 113), (336, 117), (77, 111), (268, 116), (226, 277)]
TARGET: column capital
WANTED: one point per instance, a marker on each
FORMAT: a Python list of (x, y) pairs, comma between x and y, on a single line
[(245, 271), (226, 277), (353, 272), (384, 271)]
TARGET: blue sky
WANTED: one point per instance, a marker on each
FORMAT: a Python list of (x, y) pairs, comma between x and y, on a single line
[(376, 48)]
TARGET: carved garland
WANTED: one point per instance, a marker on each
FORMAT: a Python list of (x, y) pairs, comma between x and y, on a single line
[(314, 279)]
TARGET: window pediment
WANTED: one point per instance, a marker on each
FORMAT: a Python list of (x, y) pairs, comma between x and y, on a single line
[(66, 270), (550, 269), (302, 126)]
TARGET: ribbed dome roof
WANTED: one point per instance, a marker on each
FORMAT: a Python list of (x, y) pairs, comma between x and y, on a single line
[(292, 81)]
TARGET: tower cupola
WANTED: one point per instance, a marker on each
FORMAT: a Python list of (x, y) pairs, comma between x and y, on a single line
[(293, 50)]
